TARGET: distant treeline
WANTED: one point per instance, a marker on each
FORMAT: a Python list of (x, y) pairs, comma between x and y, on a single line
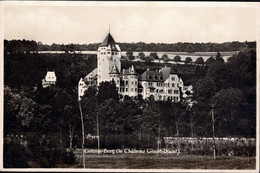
[(17, 46)]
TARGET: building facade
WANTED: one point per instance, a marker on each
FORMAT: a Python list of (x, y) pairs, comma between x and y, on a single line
[(162, 84), (50, 79)]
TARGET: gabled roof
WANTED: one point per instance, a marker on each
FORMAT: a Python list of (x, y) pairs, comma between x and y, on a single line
[(114, 70)]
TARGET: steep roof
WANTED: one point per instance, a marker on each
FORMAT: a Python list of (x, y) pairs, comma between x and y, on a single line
[(153, 76), (110, 42), (114, 70), (166, 71), (129, 71)]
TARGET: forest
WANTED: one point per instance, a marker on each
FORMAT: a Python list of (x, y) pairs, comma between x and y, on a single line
[(27, 45), (42, 126)]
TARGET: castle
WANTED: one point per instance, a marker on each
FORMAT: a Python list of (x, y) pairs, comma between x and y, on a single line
[(162, 84)]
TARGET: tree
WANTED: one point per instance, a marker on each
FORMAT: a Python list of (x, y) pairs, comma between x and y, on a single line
[(188, 60), (227, 104), (27, 111), (210, 60), (204, 89), (177, 58), (150, 121), (199, 60), (154, 55), (165, 58), (129, 54), (70, 119), (12, 102), (141, 56), (107, 90), (219, 73), (219, 58), (45, 120), (149, 59)]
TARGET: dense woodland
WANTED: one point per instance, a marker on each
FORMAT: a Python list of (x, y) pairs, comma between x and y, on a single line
[(26, 45), (41, 123)]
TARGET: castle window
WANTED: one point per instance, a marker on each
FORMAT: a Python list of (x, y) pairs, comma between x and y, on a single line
[(132, 83), (173, 78), (108, 52), (126, 82), (173, 85), (176, 91), (115, 53), (126, 89), (170, 91), (164, 98), (135, 89)]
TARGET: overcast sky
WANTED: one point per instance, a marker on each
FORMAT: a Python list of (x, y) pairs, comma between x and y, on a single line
[(128, 23)]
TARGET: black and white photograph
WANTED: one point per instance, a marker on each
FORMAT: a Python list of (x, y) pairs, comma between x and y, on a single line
[(129, 86)]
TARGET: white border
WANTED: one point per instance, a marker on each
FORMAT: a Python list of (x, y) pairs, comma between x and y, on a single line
[(253, 5)]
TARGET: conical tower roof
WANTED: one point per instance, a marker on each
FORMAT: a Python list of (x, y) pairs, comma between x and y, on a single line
[(108, 40)]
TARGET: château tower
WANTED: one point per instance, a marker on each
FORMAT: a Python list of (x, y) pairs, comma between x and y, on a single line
[(108, 55)]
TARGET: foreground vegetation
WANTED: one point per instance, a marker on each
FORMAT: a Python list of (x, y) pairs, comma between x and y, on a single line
[(41, 123), (152, 161)]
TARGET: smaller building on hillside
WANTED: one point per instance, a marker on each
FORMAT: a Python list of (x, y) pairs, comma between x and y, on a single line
[(50, 79)]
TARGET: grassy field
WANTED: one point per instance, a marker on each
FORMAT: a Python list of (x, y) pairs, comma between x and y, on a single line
[(164, 161)]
